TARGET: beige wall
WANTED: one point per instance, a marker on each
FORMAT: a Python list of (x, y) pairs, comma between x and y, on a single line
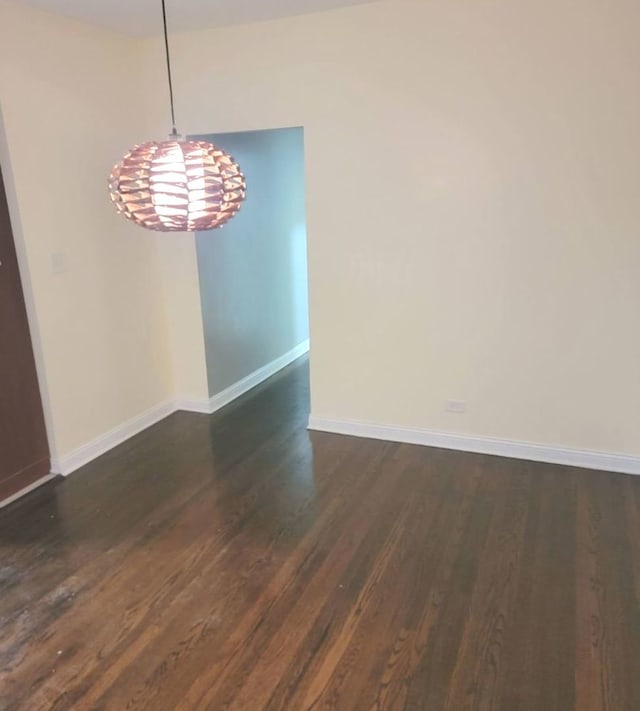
[(181, 289), (69, 111), (473, 181), (473, 171)]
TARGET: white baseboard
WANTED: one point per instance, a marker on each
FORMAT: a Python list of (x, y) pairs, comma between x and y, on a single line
[(100, 445), (93, 449), (191, 405), (217, 402), (602, 461)]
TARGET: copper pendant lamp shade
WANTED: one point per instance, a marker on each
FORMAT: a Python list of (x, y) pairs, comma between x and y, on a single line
[(177, 185)]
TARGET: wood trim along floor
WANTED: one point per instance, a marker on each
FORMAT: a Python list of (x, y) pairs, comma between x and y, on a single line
[(602, 461)]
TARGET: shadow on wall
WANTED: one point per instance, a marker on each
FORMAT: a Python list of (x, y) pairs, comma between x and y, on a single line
[(253, 271)]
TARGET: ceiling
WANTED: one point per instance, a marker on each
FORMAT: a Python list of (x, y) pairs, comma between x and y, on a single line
[(143, 17)]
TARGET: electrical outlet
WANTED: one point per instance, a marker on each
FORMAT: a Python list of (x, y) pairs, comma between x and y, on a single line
[(458, 407)]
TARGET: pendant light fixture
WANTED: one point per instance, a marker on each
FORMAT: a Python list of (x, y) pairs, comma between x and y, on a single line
[(177, 185)]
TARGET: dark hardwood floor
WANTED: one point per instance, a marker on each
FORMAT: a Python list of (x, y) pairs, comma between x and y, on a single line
[(237, 561)]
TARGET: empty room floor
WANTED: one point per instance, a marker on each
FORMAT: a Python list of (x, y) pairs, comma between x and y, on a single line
[(239, 561)]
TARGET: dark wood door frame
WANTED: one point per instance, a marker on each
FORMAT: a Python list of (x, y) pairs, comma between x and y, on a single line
[(24, 448)]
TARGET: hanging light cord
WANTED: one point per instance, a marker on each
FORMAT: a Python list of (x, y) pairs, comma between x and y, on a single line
[(174, 132)]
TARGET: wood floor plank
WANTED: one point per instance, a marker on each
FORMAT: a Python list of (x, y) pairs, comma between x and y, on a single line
[(542, 631), (240, 562), (608, 622)]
